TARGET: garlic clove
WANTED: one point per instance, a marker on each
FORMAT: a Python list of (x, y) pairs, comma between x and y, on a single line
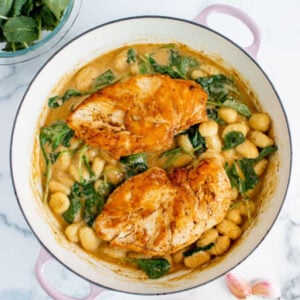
[(265, 288), (238, 286)]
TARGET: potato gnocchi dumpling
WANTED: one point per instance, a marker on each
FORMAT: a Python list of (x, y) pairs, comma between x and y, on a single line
[(80, 177)]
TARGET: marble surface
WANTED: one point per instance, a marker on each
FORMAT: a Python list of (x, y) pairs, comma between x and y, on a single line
[(277, 258)]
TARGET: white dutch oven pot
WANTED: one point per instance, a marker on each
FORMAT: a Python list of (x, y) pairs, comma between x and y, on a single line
[(83, 49)]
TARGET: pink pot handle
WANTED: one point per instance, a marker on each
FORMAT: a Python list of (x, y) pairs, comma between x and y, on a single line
[(240, 15), (43, 258)]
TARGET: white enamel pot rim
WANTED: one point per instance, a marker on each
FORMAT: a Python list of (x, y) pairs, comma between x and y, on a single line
[(82, 49)]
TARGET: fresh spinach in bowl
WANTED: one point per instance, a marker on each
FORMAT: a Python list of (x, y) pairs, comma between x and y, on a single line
[(22, 21)]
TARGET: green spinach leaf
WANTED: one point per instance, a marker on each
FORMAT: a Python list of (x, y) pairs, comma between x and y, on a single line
[(134, 164), (154, 267), (250, 179), (233, 139), (29, 7), (131, 56), (93, 203), (22, 21), (163, 69), (196, 139), (5, 8), (57, 101), (48, 19), (56, 134), (241, 108), (218, 87), (179, 65), (75, 203), (84, 196), (213, 115), (57, 7), (266, 152), (104, 79), (21, 29), (17, 8)]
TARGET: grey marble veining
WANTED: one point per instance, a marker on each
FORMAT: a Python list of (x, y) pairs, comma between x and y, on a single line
[(277, 258)]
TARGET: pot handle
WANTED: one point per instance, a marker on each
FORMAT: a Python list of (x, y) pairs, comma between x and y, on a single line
[(42, 260), (240, 15)]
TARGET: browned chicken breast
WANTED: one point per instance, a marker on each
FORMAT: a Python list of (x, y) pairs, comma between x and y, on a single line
[(141, 114), (155, 213)]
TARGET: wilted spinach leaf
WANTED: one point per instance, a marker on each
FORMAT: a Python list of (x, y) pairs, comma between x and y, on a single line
[(104, 79), (84, 196), (196, 139), (131, 56), (246, 165), (241, 108), (57, 101), (154, 267), (75, 203), (134, 164), (266, 152), (93, 203), (56, 134), (250, 179), (163, 69), (233, 139), (213, 115), (178, 67), (218, 87)]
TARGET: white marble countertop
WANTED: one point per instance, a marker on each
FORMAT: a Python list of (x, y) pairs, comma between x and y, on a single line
[(277, 258)]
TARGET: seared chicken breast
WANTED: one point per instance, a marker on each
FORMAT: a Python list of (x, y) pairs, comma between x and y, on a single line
[(141, 114), (157, 213)]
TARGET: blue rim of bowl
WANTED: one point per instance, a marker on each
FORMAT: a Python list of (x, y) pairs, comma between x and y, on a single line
[(259, 68), (49, 41)]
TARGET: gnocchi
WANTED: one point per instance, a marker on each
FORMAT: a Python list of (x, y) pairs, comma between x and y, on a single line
[(214, 143), (56, 186), (247, 149), (230, 229), (98, 166), (260, 139), (208, 128), (59, 202), (229, 115), (88, 239), (72, 231), (209, 236), (184, 142), (241, 127), (197, 259), (259, 122), (221, 245)]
